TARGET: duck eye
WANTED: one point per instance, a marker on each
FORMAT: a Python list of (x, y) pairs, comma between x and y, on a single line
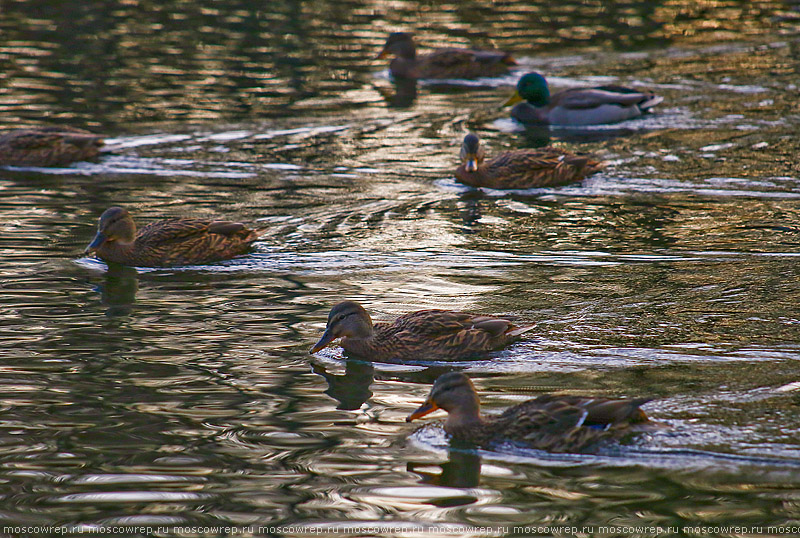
[(340, 317)]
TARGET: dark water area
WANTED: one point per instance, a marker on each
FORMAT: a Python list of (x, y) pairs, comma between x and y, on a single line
[(187, 399)]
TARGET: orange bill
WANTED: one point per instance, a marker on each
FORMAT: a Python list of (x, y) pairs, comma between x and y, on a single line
[(424, 409)]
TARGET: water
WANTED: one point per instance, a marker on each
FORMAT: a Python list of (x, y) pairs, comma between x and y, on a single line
[(186, 397)]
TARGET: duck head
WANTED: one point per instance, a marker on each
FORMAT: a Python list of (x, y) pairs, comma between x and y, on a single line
[(115, 224), (531, 88), (453, 392), (348, 319), (400, 44), (471, 152)]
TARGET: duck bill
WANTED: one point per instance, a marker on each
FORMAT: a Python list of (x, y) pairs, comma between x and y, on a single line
[(471, 164), (426, 408), (96, 243), (327, 338), (513, 100), (383, 54)]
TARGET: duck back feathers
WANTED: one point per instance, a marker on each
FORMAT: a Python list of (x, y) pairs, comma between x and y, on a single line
[(169, 242), (48, 146), (422, 335)]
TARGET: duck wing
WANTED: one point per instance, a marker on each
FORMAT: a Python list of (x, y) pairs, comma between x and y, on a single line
[(441, 322), (445, 334), (463, 63), (51, 136), (560, 423), (603, 412), (182, 241), (493, 57), (542, 167), (29, 140), (552, 428), (444, 58), (48, 146), (173, 230), (176, 229), (583, 98)]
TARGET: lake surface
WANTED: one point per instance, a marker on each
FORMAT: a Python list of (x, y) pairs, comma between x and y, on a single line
[(186, 398)]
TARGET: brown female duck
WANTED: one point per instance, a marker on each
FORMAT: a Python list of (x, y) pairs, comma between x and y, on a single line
[(167, 243), (442, 63), (550, 422), (421, 335), (522, 168), (48, 146)]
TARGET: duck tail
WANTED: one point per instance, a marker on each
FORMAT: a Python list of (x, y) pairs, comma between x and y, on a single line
[(592, 167), (86, 140), (518, 331), (650, 102), (261, 231), (258, 233), (636, 414)]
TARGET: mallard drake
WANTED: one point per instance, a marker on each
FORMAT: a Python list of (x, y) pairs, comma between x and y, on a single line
[(442, 63), (167, 243), (577, 106), (522, 168), (421, 335), (48, 146), (550, 422)]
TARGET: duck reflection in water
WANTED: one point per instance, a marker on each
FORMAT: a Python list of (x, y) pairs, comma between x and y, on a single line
[(404, 94), (118, 291), (461, 470), (351, 389)]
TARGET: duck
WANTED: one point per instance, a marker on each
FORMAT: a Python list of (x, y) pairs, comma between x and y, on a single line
[(442, 63), (48, 146), (551, 422), (421, 335), (577, 106), (167, 243), (522, 168)]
